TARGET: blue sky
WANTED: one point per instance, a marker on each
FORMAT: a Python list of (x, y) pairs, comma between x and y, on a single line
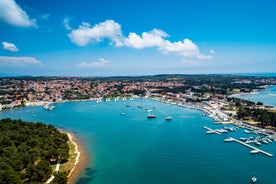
[(145, 37)]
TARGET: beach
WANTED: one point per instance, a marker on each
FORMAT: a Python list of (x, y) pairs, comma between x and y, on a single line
[(82, 159)]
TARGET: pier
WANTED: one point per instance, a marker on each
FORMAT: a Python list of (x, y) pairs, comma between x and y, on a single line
[(252, 147), (207, 128)]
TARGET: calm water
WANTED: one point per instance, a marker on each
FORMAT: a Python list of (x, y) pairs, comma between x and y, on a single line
[(132, 149), (267, 96)]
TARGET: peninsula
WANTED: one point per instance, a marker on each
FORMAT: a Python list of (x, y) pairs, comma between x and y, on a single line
[(35, 153)]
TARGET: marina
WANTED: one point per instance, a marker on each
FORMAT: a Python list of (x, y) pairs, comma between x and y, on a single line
[(252, 147)]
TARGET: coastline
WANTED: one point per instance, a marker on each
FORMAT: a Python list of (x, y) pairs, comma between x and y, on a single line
[(82, 159)]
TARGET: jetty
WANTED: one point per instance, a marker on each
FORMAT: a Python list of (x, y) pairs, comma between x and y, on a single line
[(207, 128), (252, 147)]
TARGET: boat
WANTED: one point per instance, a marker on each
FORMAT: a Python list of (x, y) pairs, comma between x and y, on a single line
[(222, 131), (123, 113), (151, 116), (254, 179), (264, 141), (168, 118), (257, 143), (243, 139), (228, 139), (254, 151), (210, 132), (49, 108), (247, 131)]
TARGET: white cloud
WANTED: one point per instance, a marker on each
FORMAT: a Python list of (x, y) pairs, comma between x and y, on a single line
[(9, 47), (111, 30), (156, 38), (86, 34), (8, 60), (96, 64), (45, 16), (13, 14), (212, 51), (148, 39), (66, 23)]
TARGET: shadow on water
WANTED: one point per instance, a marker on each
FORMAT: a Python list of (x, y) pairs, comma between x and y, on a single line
[(89, 176)]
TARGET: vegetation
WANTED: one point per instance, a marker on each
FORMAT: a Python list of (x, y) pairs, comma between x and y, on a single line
[(27, 151), (248, 110)]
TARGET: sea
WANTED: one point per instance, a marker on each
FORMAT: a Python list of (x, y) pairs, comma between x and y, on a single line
[(266, 96), (128, 148)]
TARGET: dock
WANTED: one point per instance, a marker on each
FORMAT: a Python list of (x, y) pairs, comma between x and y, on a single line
[(252, 147), (207, 128)]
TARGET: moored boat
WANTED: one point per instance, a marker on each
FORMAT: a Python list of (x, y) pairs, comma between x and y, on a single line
[(228, 139), (151, 116), (254, 151), (168, 118), (254, 179)]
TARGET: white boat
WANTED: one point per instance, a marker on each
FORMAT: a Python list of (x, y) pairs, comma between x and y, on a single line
[(228, 140), (49, 108), (222, 131), (210, 132), (246, 131), (257, 143), (151, 116), (168, 118), (243, 139), (254, 151), (123, 113), (254, 179)]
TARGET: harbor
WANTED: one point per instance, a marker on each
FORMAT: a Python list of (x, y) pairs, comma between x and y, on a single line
[(231, 139), (252, 147)]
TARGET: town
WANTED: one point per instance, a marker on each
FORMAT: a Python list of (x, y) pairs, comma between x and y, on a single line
[(199, 91)]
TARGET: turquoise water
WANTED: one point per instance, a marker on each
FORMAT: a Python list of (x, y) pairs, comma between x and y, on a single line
[(267, 96), (132, 149)]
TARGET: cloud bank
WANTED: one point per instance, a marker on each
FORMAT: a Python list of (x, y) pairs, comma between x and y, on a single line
[(111, 31), (13, 14), (96, 64), (9, 47), (8, 60)]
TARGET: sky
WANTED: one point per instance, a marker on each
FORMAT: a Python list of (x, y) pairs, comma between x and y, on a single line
[(131, 37)]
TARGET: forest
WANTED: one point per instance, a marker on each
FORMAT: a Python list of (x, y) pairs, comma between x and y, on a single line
[(27, 151), (248, 110)]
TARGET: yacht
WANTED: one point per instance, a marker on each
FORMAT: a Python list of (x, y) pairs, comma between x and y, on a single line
[(257, 143), (254, 179), (228, 139), (151, 116), (246, 131), (210, 132), (243, 139), (168, 118), (254, 151)]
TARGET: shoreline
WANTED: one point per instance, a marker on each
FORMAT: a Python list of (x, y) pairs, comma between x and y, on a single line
[(82, 159)]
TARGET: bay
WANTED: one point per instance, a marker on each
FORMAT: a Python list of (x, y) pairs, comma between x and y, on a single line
[(266, 96), (131, 149)]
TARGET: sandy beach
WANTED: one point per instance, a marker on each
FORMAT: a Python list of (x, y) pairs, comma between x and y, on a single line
[(82, 160)]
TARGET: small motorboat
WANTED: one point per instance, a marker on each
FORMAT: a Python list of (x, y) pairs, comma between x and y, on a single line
[(168, 118), (254, 151), (254, 179)]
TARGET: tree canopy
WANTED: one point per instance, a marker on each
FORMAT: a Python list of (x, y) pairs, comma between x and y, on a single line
[(28, 149)]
